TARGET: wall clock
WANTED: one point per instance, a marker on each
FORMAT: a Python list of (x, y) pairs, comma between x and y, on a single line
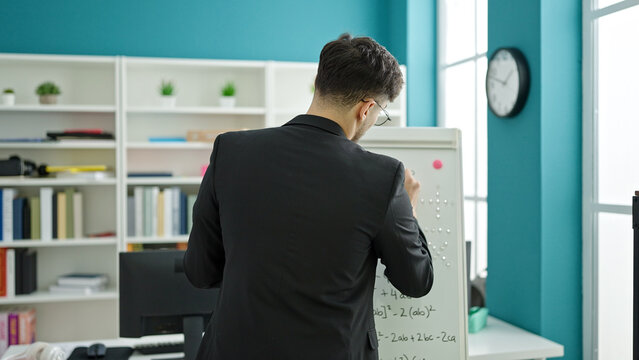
[(507, 82)]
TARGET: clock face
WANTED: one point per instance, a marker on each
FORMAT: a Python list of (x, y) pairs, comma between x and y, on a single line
[(506, 82)]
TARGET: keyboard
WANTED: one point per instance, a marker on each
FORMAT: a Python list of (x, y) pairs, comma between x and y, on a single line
[(159, 348)]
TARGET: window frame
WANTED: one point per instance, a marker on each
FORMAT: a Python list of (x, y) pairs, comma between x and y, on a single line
[(591, 207), (442, 66)]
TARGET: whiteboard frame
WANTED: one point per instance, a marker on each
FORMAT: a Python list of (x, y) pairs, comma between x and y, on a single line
[(433, 138)]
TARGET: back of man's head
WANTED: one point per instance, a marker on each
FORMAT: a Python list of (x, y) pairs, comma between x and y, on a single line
[(351, 69)]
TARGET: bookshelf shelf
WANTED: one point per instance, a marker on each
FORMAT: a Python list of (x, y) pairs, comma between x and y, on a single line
[(158, 240), (88, 144), (25, 181), (46, 297), (294, 112), (185, 180), (188, 145), (198, 110), (60, 108), (59, 243)]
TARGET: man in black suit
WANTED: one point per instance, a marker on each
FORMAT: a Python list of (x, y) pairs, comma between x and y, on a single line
[(290, 222)]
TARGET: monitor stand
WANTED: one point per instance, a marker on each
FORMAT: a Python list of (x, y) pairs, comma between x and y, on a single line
[(193, 327)]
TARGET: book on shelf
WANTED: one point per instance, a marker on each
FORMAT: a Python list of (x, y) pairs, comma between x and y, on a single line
[(79, 135), (83, 279), (130, 216), (77, 216), (131, 247), (10, 272), (76, 290), (25, 271), (138, 195), (152, 212), (7, 213), (142, 174), (17, 327), (54, 215), (35, 217), (46, 214), (4, 332), (62, 215), (69, 212), (88, 175), (18, 272), (168, 212), (23, 140), (26, 326), (160, 214), (51, 215), (3, 272), (156, 139), (18, 212)]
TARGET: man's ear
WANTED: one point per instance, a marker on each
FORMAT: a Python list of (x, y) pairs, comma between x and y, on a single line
[(364, 109)]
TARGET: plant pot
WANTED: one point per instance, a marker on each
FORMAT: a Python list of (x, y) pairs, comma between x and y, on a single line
[(8, 99), (168, 101), (48, 99), (227, 101)]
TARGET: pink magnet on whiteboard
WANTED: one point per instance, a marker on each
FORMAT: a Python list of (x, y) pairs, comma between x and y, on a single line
[(437, 164), (203, 169)]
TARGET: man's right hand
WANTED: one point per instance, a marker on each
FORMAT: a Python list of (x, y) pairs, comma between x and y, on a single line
[(412, 188)]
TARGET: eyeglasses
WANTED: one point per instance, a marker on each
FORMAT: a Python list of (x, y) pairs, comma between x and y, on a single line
[(385, 113)]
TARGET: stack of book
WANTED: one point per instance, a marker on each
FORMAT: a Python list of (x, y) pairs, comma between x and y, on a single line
[(80, 134), (18, 272), (52, 215), (17, 327), (159, 213), (79, 284)]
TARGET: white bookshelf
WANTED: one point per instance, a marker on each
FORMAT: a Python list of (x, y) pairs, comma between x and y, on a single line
[(54, 182), (127, 103), (35, 243), (199, 110), (158, 240), (40, 297), (89, 99), (62, 144), (170, 145), (183, 180), (59, 108)]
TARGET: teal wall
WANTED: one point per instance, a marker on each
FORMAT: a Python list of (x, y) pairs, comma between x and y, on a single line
[(239, 29), (288, 30), (534, 175)]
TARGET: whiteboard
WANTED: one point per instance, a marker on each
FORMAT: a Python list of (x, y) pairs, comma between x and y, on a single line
[(435, 326)]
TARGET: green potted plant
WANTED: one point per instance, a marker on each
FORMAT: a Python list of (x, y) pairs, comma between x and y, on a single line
[(8, 97), (48, 92), (228, 95), (167, 92)]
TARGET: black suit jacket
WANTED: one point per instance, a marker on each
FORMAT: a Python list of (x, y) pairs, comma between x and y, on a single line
[(291, 221)]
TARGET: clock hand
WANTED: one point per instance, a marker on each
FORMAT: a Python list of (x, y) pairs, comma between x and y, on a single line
[(496, 79), (508, 77)]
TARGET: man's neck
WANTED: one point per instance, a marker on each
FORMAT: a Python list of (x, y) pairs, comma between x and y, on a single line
[(333, 115)]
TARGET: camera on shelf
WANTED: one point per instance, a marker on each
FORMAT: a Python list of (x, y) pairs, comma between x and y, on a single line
[(15, 166)]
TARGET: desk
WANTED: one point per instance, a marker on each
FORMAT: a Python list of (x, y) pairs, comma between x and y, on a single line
[(501, 341), (498, 341)]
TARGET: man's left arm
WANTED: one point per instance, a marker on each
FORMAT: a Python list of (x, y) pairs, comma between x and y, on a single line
[(204, 258)]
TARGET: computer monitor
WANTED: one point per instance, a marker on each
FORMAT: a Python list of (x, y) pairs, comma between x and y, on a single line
[(156, 298)]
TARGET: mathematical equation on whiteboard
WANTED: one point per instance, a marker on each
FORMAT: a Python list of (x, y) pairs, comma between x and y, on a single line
[(392, 308), (416, 337)]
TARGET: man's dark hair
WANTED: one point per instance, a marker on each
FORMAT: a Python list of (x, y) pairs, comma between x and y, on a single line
[(351, 69)]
